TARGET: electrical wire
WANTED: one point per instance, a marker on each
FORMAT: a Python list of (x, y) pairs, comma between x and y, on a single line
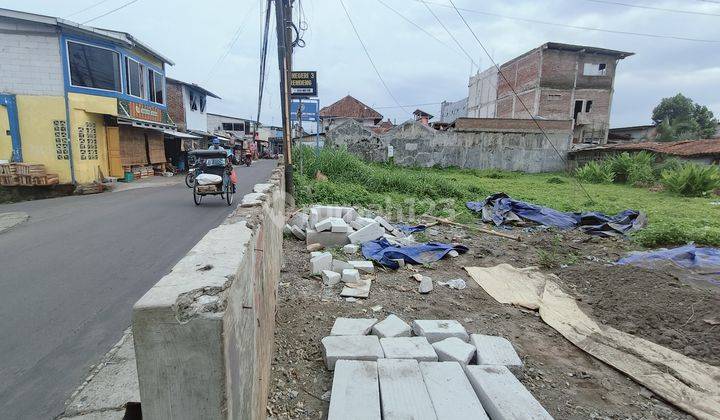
[(263, 61), (111, 11), (449, 33), (87, 8), (234, 39), (562, 25), (367, 54), (660, 9), (512, 88)]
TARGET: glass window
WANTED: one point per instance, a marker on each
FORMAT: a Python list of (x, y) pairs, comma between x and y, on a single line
[(135, 78), (227, 126), (238, 127), (94, 67), (155, 86)]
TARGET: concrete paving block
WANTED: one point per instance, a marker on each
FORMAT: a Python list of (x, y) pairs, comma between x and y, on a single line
[(450, 391), (403, 394), (359, 289), (426, 285), (328, 239), (340, 265), (287, 229), (323, 225), (384, 223), (366, 234), (351, 249), (502, 396), (262, 188), (350, 215), (320, 263), (416, 348), (350, 347), (300, 220), (353, 326), (494, 350), (314, 254), (330, 278), (338, 225), (313, 218), (298, 233), (366, 267), (364, 221), (392, 326), (350, 275), (439, 329), (454, 349), (355, 391)]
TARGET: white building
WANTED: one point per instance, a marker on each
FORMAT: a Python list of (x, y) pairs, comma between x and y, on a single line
[(450, 111)]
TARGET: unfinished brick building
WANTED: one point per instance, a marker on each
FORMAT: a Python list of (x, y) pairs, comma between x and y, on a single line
[(554, 81)]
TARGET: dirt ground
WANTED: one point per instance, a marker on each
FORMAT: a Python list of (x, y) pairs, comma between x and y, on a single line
[(569, 383)]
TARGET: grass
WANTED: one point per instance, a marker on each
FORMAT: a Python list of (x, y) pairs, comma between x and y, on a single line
[(672, 220)]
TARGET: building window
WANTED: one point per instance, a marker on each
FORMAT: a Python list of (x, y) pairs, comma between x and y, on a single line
[(93, 67), (595, 69), (87, 140), (238, 127), (61, 146), (588, 106), (227, 126), (193, 100), (156, 87), (135, 78)]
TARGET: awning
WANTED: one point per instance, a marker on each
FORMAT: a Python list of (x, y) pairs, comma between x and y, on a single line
[(180, 135)]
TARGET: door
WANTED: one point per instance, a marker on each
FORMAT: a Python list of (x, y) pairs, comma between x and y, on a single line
[(112, 134)]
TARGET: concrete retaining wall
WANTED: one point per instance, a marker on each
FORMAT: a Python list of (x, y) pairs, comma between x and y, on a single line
[(204, 333)]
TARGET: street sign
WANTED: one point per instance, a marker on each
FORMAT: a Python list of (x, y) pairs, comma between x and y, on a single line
[(303, 84), (309, 109)]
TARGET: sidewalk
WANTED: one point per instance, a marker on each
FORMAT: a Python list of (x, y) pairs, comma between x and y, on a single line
[(155, 181)]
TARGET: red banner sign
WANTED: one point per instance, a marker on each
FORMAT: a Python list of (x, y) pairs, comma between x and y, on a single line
[(145, 112)]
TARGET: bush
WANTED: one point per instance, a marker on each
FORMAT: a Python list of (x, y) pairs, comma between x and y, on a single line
[(595, 173), (670, 163), (641, 175), (692, 180), (624, 163)]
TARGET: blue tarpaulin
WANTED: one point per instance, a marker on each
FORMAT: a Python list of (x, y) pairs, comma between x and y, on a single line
[(500, 209), (408, 229), (383, 252), (702, 260)]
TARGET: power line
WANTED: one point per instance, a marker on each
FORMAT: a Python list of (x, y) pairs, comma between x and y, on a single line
[(516, 95), (111, 11), (233, 40), (263, 61), (87, 8), (418, 27), (357, 34), (661, 9), (449, 33), (562, 25)]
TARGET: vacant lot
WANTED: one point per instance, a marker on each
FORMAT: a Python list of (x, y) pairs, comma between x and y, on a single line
[(672, 219)]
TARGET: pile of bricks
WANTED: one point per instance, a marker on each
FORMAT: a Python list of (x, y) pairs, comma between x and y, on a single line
[(432, 369)]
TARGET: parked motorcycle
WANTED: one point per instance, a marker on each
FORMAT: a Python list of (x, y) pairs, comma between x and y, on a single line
[(190, 178)]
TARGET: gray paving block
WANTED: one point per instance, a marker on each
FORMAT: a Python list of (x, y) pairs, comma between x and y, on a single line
[(350, 347), (366, 233), (392, 326), (340, 265), (416, 348), (351, 249), (330, 278), (328, 239), (503, 397), (320, 262), (298, 233), (353, 326), (403, 394), (350, 275), (494, 350), (363, 266), (454, 349), (450, 391), (300, 220), (439, 329), (355, 391)]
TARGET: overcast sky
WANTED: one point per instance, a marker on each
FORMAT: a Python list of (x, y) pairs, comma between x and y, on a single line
[(418, 69)]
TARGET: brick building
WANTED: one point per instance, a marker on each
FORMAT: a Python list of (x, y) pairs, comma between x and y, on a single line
[(554, 81)]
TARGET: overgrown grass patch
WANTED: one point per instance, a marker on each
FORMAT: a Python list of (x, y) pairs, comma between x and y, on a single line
[(672, 219)]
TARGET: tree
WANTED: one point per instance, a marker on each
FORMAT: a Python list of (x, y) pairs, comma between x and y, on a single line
[(679, 118)]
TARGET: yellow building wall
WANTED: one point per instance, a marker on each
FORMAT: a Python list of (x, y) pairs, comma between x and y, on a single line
[(37, 134), (86, 109), (5, 139)]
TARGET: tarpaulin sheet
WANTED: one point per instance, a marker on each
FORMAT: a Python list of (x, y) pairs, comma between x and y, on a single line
[(408, 229), (500, 209), (383, 252), (701, 260)]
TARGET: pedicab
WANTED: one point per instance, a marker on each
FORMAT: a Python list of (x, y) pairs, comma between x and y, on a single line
[(214, 175)]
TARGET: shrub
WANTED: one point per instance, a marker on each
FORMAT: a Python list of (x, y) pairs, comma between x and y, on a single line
[(595, 173), (623, 163), (641, 175), (692, 180), (670, 163)]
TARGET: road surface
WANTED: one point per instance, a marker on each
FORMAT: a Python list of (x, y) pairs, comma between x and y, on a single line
[(70, 275)]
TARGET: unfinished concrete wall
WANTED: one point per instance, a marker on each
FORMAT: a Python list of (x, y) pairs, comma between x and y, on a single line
[(204, 333), (357, 139)]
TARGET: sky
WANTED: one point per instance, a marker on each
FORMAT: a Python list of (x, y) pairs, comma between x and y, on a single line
[(216, 43)]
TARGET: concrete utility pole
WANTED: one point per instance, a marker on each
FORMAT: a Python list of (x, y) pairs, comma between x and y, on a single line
[(283, 16)]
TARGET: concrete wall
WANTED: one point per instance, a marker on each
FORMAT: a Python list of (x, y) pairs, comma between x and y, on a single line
[(482, 90), (450, 111), (195, 119), (30, 61), (203, 334)]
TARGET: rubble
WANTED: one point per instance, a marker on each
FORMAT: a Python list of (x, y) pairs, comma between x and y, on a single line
[(321, 262), (330, 278), (328, 239), (366, 234), (350, 249), (339, 265), (366, 267), (298, 233), (350, 275), (360, 289), (426, 285)]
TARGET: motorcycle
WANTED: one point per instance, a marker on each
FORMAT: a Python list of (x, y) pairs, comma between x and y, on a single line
[(190, 178), (246, 159)]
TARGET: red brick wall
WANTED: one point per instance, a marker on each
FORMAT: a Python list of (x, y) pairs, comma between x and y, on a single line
[(175, 104), (509, 124), (555, 104), (521, 72)]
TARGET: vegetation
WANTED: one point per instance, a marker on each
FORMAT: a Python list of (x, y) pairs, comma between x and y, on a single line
[(625, 164), (443, 192), (596, 173), (679, 118), (691, 179)]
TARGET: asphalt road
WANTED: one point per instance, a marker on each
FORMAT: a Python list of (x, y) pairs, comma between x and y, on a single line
[(70, 275)]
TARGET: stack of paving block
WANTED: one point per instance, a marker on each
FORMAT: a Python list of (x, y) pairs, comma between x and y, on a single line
[(356, 275), (432, 369), (331, 226), (26, 174), (8, 175)]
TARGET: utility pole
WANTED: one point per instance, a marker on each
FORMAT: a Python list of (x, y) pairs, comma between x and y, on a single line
[(283, 16)]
